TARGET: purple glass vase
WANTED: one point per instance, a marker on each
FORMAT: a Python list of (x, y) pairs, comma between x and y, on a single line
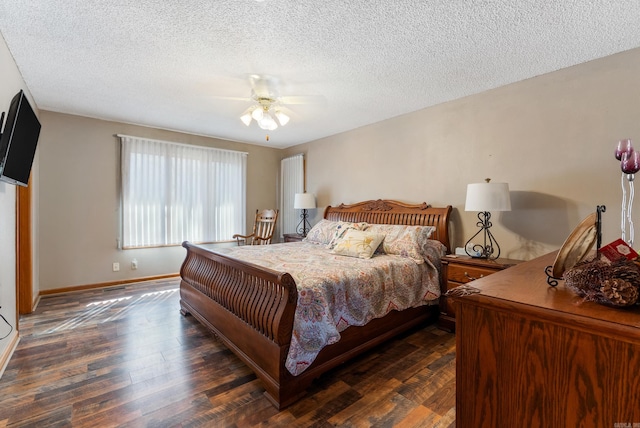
[(630, 162), (624, 146)]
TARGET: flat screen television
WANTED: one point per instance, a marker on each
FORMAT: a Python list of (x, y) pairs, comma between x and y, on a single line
[(18, 141)]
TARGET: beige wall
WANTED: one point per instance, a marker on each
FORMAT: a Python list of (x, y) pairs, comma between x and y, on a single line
[(78, 200), (551, 138)]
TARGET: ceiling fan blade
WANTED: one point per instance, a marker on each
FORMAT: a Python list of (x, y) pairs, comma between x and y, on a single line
[(264, 86), (303, 99), (286, 110), (223, 98)]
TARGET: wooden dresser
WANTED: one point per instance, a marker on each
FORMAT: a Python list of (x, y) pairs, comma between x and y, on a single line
[(529, 355), (459, 270)]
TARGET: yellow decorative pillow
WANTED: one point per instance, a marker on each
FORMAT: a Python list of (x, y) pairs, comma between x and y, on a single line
[(358, 243)]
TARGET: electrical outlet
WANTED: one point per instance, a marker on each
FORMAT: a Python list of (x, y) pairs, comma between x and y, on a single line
[(134, 264), (116, 266)]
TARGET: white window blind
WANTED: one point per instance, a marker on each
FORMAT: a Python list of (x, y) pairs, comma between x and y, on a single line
[(176, 192), (291, 182)]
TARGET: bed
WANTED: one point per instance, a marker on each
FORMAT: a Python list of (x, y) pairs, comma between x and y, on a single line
[(251, 308)]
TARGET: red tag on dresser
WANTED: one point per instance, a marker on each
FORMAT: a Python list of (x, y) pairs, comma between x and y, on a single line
[(618, 249)]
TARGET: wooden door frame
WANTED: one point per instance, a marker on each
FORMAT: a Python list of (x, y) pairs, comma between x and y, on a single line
[(24, 251)]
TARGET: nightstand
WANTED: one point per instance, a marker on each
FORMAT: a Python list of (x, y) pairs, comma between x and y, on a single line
[(459, 270), (293, 237)]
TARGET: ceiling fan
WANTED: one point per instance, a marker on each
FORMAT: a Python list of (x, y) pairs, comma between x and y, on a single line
[(268, 108)]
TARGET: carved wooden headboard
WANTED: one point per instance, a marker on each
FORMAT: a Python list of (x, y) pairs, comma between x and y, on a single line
[(385, 211)]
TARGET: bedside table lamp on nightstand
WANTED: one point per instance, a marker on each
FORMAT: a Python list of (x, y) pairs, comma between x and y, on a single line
[(304, 202), (486, 197)]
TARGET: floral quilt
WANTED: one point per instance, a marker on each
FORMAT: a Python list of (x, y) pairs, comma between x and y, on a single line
[(335, 292)]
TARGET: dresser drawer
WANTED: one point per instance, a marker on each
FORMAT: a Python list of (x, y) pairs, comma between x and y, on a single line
[(464, 274)]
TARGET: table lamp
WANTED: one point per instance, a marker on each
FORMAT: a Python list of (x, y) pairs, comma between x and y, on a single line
[(304, 202), (486, 197)]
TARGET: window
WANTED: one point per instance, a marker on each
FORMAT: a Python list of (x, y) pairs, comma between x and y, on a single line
[(291, 182), (175, 192)]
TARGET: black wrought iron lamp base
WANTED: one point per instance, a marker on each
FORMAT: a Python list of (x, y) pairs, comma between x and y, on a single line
[(304, 226), (489, 249)]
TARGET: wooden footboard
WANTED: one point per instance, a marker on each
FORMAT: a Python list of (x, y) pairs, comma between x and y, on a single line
[(250, 308)]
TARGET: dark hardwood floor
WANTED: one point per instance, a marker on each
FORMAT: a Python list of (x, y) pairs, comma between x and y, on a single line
[(126, 357)]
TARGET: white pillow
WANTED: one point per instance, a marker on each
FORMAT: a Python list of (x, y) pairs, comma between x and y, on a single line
[(322, 232), (358, 243), (402, 240)]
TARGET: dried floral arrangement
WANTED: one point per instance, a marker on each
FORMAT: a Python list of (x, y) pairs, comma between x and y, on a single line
[(615, 283)]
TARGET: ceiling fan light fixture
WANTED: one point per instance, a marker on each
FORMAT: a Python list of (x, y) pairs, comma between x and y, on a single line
[(263, 113), (282, 118), (257, 113), (246, 117), (267, 122)]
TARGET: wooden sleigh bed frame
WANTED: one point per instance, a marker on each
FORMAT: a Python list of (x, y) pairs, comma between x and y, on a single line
[(251, 308)]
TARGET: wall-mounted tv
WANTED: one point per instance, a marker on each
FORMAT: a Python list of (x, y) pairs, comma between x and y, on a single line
[(18, 141)]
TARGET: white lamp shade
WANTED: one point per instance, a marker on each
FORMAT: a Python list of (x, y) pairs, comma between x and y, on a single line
[(304, 201), (267, 122), (488, 197), (282, 118), (246, 117), (257, 113)]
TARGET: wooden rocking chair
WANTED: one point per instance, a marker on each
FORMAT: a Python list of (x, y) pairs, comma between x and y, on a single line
[(263, 228)]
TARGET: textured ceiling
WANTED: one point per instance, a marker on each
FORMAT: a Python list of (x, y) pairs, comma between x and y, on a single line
[(186, 65)]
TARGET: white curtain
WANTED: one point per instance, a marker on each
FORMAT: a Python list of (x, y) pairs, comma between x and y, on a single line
[(291, 182), (176, 192)]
